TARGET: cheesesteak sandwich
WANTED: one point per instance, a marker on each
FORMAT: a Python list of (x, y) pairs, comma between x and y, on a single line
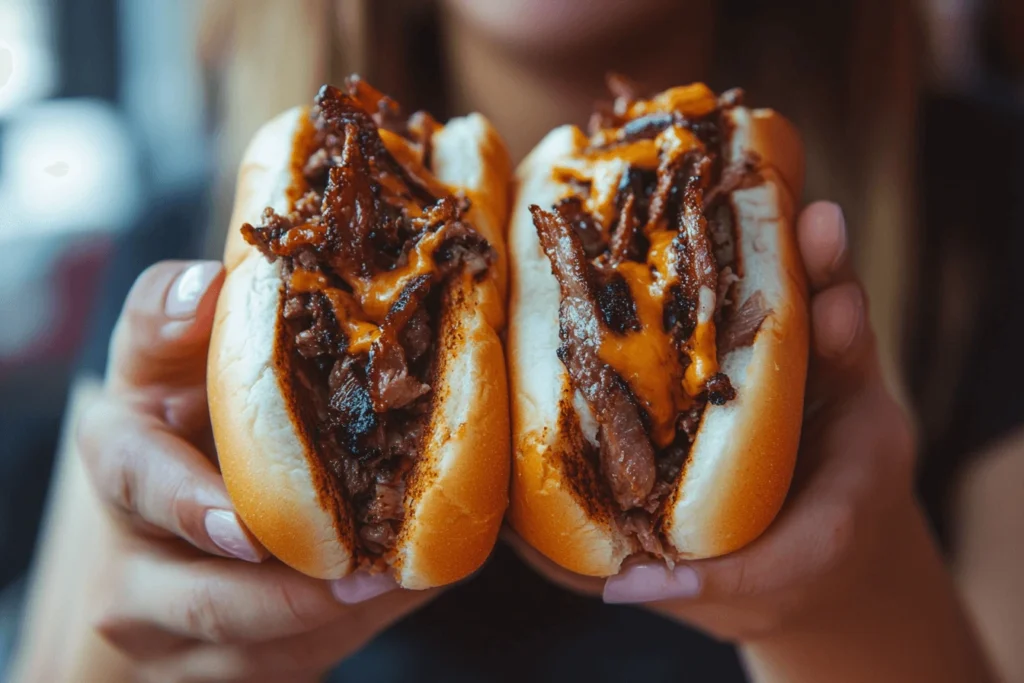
[(658, 330), (356, 377)]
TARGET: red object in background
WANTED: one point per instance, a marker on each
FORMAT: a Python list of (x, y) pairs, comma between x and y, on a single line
[(72, 282)]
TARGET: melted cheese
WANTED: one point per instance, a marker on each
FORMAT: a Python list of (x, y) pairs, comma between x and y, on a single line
[(361, 333), (694, 101), (411, 160), (361, 312), (378, 293), (703, 358), (646, 358), (675, 141)]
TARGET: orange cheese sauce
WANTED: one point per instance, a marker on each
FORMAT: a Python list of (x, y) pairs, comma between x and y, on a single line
[(648, 358), (361, 333), (411, 160), (703, 358), (377, 294), (694, 100), (361, 312)]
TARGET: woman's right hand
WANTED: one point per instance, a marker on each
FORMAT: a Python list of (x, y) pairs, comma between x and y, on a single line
[(186, 593)]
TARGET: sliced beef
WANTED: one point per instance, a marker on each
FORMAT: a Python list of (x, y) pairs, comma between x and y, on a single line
[(386, 503), (378, 537), (640, 525), (695, 262), (737, 174), (390, 383), (323, 336), (417, 335), (740, 324), (615, 301), (624, 243), (587, 228), (355, 419), (719, 389), (627, 457), (349, 212)]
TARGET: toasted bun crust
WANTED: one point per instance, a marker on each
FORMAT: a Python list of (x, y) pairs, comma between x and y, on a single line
[(741, 462), (457, 494)]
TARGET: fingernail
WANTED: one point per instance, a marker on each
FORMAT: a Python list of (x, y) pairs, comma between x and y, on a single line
[(227, 533), (360, 587), (650, 583), (841, 252), (188, 290)]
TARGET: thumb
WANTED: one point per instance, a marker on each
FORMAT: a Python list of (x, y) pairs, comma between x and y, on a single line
[(164, 330)]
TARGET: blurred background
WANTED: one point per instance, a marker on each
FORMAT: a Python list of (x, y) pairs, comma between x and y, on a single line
[(122, 122)]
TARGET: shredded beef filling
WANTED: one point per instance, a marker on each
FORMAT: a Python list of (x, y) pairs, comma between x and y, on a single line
[(689, 194), (360, 219)]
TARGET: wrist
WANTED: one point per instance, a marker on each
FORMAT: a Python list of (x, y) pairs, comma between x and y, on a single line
[(892, 615)]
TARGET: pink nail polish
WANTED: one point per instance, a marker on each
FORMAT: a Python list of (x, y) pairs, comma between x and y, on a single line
[(650, 583), (187, 291), (841, 252), (227, 533), (360, 587)]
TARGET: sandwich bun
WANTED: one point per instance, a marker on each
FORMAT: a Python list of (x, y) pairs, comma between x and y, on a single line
[(456, 494), (741, 462)]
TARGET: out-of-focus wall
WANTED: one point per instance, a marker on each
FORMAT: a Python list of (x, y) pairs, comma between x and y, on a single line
[(104, 168)]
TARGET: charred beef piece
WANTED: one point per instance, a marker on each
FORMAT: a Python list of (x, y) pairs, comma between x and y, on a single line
[(391, 386), (627, 457), (624, 246), (740, 324), (615, 301), (586, 226)]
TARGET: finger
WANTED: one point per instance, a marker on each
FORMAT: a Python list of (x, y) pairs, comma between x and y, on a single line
[(821, 235), (300, 657), (164, 328), (845, 360), (865, 449), (359, 587), (814, 534), (146, 473), (584, 585), (218, 601)]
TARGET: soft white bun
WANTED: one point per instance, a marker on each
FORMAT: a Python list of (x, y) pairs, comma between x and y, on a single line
[(741, 462), (458, 492)]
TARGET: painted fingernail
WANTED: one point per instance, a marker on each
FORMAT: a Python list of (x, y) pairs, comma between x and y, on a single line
[(188, 290), (360, 587), (227, 533), (650, 583), (840, 222)]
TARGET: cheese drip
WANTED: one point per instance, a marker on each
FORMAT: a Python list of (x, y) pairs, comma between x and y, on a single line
[(648, 358)]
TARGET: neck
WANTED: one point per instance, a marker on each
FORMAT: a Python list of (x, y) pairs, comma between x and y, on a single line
[(527, 92)]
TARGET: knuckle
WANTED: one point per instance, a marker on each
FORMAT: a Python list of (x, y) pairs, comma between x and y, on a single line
[(114, 627), (111, 618), (298, 613), (91, 431), (203, 615), (182, 507)]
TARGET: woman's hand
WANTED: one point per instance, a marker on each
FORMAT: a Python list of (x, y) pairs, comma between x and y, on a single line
[(186, 592), (851, 494)]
